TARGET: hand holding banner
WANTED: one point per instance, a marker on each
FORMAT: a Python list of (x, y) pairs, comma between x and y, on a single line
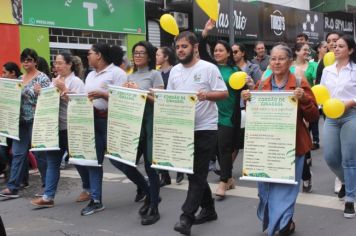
[(173, 130), (10, 104), (81, 134), (270, 134), (45, 124), (126, 107)]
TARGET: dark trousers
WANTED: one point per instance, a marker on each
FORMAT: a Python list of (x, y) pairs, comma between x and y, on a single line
[(306, 175), (145, 149), (225, 148), (314, 128), (199, 193), (2, 228)]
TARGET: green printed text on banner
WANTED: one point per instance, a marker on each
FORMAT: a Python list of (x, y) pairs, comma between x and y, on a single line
[(81, 135), (270, 133), (10, 103), (45, 124), (126, 107), (173, 130)]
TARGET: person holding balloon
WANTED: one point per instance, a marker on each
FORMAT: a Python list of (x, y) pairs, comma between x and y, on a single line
[(329, 57), (230, 136), (277, 201), (340, 124)]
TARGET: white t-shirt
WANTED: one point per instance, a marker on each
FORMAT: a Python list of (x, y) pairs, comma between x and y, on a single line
[(74, 86), (99, 81), (203, 76)]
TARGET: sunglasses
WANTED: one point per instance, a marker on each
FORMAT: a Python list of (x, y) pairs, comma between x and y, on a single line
[(27, 60)]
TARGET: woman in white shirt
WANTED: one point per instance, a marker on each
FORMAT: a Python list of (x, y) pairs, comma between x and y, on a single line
[(66, 82), (339, 140)]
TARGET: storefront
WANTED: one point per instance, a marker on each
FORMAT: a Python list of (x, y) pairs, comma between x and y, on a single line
[(51, 26)]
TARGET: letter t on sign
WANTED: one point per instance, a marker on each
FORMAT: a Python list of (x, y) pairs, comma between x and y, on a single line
[(91, 7)]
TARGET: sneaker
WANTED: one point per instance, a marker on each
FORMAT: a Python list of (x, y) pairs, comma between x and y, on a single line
[(341, 193), (41, 203), (92, 207), (83, 197), (9, 193), (307, 186), (180, 178), (337, 185), (349, 211)]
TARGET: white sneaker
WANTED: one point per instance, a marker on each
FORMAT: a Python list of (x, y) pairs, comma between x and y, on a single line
[(337, 185)]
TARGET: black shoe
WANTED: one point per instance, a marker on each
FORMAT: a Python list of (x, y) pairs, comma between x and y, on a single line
[(315, 146), (8, 193), (180, 177), (288, 229), (151, 217), (165, 179), (349, 211), (92, 207), (144, 209), (205, 215), (184, 225), (139, 195), (341, 193)]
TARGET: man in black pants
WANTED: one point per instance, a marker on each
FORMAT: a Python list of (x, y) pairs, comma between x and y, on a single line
[(193, 74)]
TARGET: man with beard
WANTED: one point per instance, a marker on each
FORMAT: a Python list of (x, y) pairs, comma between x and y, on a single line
[(194, 74)]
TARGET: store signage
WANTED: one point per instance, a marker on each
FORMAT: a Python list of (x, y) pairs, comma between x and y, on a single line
[(244, 23), (109, 15)]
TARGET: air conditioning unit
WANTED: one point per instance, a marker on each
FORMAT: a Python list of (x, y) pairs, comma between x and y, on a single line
[(181, 19)]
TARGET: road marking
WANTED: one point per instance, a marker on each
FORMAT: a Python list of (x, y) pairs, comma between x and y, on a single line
[(309, 199)]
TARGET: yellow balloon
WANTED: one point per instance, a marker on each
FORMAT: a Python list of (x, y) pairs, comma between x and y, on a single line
[(321, 93), (169, 24), (210, 7), (334, 108), (237, 80), (329, 59)]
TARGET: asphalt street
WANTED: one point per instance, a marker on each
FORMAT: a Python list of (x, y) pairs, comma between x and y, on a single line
[(319, 213)]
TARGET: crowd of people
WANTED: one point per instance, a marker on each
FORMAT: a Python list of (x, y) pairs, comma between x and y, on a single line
[(218, 133)]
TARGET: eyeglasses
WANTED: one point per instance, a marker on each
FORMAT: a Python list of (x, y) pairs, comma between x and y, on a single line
[(27, 60), (281, 59), (139, 54), (235, 52), (58, 63)]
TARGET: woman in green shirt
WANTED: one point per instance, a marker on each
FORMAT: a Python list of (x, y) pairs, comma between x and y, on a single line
[(230, 136)]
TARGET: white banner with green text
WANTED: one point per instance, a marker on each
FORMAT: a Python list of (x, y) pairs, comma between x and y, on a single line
[(126, 107), (45, 123), (10, 104), (270, 137), (81, 134), (173, 130)]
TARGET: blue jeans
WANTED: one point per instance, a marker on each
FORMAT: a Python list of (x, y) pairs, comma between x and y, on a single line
[(41, 160), (277, 201), (19, 156), (340, 150), (92, 177), (54, 159)]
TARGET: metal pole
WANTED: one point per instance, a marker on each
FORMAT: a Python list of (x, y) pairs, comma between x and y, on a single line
[(231, 21)]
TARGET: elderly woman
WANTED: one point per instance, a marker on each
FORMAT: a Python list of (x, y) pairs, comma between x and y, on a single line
[(277, 201), (340, 143)]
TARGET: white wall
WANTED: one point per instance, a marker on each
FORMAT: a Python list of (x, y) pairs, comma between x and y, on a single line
[(301, 4)]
